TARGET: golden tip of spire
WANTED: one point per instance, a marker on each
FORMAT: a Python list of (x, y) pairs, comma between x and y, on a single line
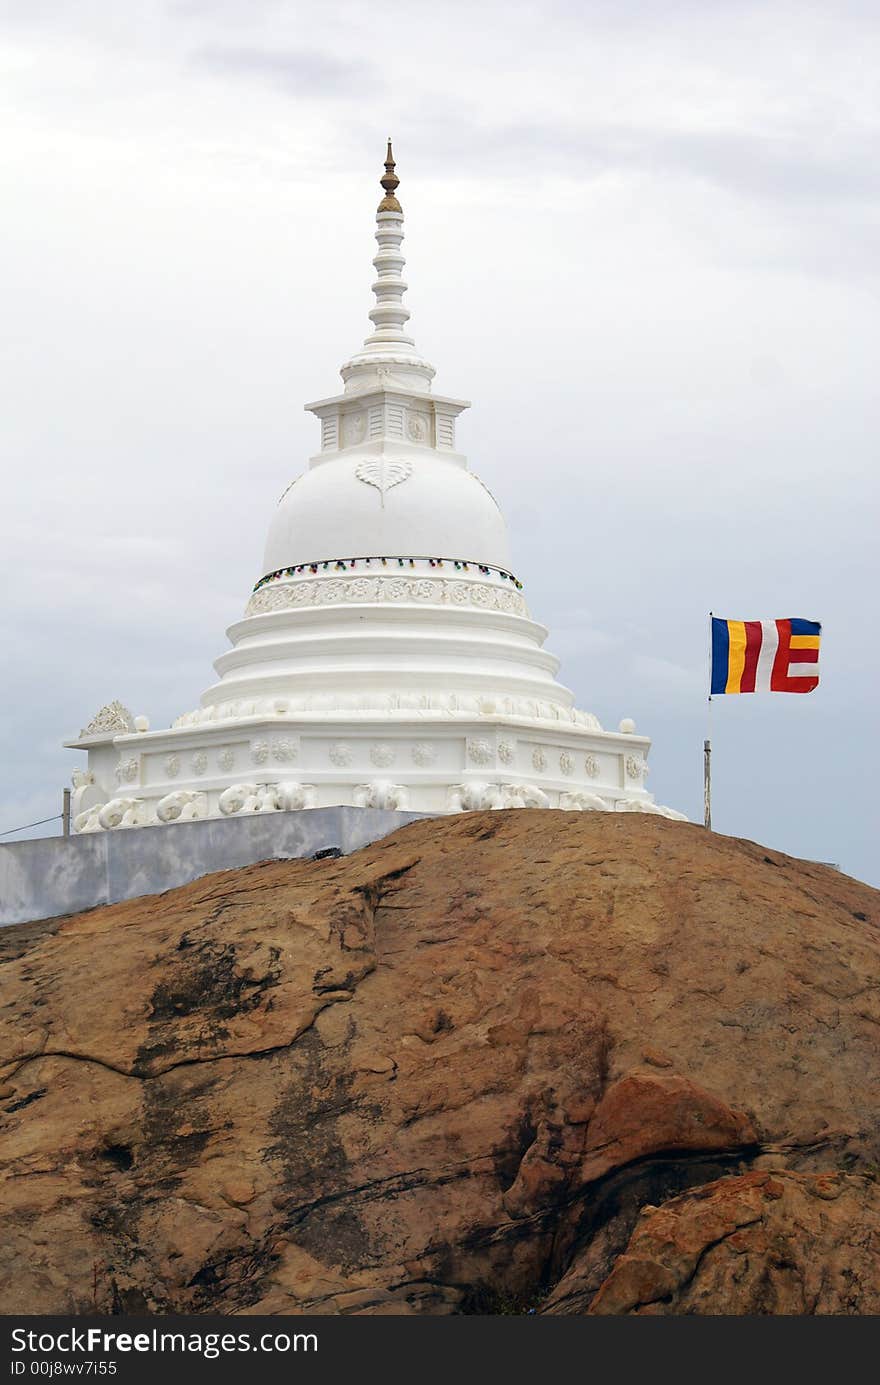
[(390, 182)]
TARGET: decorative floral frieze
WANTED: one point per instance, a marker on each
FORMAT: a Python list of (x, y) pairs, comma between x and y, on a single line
[(340, 754), (260, 752), (635, 767), (539, 759), (480, 752), (423, 753), (334, 591), (443, 704), (382, 755), (591, 767), (127, 770), (172, 766), (506, 752), (199, 762), (226, 758), (285, 750), (566, 762)]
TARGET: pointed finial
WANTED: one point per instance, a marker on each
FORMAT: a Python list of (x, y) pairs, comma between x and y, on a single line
[(388, 346), (390, 182)]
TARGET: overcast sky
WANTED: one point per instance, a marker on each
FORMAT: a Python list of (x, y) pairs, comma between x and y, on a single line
[(642, 238)]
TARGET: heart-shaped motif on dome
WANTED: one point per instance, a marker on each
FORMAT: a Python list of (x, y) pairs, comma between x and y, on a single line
[(383, 473)]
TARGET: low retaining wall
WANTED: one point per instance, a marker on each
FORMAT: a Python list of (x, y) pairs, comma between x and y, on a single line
[(63, 875)]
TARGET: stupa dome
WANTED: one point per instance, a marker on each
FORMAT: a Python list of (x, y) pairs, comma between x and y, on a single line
[(386, 656), (442, 511)]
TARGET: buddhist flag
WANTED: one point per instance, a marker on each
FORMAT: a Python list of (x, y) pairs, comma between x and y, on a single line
[(765, 655)]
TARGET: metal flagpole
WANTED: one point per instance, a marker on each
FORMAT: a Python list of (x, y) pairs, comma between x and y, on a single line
[(707, 784), (707, 748)]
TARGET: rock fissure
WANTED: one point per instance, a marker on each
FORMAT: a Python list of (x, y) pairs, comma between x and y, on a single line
[(383, 1187), (201, 1060)]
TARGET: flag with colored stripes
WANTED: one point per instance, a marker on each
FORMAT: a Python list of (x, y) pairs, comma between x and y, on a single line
[(765, 655)]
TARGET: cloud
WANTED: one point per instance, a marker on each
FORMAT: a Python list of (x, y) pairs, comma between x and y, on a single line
[(574, 634), (791, 168), (667, 675), (295, 71), (637, 237)]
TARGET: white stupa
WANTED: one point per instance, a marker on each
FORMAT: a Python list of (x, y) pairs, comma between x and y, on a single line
[(386, 657)]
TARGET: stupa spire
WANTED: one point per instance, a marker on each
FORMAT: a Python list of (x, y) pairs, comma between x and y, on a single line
[(390, 182), (388, 348)]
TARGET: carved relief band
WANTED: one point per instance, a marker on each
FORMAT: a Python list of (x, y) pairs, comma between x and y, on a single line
[(332, 591)]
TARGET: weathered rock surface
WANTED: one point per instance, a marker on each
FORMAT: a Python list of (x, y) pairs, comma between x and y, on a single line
[(576, 1062), (762, 1243)]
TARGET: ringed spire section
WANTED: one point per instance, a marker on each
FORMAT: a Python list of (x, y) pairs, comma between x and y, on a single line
[(388, 350)]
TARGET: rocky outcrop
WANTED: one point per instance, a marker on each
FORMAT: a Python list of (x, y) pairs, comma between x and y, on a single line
[(497, 1062), (762, 1243)]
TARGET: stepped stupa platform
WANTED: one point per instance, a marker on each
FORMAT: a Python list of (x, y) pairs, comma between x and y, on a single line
[(387, 657)]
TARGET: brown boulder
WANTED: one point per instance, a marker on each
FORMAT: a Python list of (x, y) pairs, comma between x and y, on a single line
[(449, 1073), (646, 1114), (779, 1243)]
